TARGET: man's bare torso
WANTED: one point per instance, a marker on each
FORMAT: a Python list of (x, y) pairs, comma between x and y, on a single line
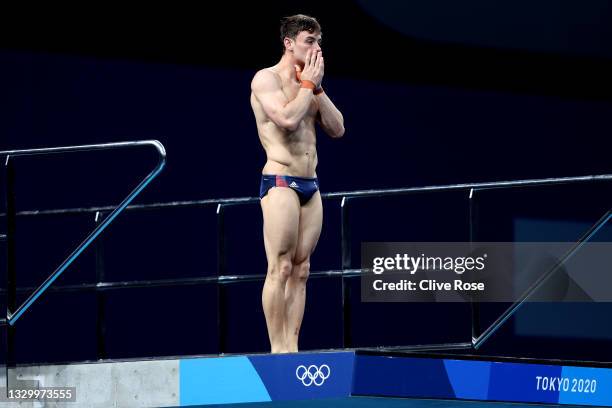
[(291, 153)]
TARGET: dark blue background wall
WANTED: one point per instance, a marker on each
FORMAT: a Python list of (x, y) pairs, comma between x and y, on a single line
[(404, 127)]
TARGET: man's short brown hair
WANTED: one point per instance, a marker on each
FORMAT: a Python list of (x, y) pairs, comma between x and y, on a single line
[(292, 25)]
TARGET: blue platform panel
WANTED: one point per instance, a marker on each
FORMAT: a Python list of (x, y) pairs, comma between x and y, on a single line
[(349, 378)]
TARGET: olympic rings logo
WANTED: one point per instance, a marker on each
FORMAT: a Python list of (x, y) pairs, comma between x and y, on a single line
[(313, 374)]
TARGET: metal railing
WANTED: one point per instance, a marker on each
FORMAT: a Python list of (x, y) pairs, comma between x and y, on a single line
[(13, 316), (482, 337), (14, 312), (345, 271)]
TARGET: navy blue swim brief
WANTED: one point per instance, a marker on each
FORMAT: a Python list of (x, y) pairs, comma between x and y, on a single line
[(305, 187)]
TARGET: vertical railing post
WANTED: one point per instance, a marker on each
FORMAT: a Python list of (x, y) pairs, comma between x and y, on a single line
[(100, 295), (473, 221), (11, 271), (221, 271), (345, 237)]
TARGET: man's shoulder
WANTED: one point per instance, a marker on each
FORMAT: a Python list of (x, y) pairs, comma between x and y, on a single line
[(266, 78)]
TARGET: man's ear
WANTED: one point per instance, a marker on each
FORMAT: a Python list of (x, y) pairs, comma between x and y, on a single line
[(288, 44)]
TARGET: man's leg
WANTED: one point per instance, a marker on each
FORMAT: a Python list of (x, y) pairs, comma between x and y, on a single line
[(311, 220), (281, 213)]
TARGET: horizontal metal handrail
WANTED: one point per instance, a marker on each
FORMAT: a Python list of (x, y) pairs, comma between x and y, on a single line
[(339, 194), (202, 280), (92, 147), (12, 317), (488, 185)]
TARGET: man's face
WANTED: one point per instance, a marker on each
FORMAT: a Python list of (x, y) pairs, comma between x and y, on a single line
[(303, 42)]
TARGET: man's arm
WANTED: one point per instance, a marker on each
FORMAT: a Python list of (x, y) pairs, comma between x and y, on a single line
[(284, 113), (329, 117)]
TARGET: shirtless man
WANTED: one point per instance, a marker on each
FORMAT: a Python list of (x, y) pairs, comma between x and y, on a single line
[(287, 99)]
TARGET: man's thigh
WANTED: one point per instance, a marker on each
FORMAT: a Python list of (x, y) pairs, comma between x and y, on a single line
[(311, 221), (281, 214)]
